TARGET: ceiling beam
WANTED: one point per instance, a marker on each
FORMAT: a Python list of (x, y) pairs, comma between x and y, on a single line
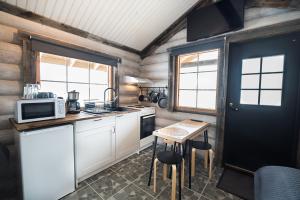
[(14, 10), (174, 28)]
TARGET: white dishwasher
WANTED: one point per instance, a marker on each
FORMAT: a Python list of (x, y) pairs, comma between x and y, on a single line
[(47, 162)]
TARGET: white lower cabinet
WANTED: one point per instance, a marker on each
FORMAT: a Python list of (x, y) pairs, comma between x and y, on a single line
[(127, 134), (100, 142), (95, 146)]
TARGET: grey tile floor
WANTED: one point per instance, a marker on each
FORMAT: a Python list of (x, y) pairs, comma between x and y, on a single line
[(128, 180)]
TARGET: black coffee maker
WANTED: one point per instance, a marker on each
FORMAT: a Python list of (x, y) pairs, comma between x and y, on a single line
[(73, 106)]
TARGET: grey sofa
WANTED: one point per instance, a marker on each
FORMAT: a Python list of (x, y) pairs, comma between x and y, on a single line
[(277, 183)]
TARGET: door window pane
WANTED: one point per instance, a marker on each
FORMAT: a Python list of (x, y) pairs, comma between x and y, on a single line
[(251, 65), (250, 82), (78, 71), (188, 81), (270, 97), (52, 67), (206, 99), (207, 80), (187, 98), (271, 81), (273, 63), (249, 97), (58, 88)]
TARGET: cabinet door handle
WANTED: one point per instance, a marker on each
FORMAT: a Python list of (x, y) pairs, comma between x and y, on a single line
[(95, 120), (119, 115)]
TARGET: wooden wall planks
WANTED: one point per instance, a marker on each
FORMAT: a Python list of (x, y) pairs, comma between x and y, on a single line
[(155, 66)]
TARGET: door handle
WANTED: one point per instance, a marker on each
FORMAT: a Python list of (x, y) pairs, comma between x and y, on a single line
[(233, 107)]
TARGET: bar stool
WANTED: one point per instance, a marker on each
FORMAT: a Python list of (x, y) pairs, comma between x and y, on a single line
[(174, 159), (208, 154)]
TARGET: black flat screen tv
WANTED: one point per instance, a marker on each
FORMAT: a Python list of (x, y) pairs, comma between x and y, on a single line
[(220, 17)]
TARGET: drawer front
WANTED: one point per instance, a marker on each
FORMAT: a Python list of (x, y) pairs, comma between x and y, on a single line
[(93, 123)]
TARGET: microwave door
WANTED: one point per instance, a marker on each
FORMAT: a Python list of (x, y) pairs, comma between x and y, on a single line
[(37, 110)]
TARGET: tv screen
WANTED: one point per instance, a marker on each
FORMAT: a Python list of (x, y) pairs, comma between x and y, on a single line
[(220, 17)]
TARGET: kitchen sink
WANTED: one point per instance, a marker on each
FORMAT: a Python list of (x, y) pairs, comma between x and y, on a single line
[(118, 109)]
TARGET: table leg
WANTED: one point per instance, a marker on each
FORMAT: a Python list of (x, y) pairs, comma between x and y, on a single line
[(152, 161), (190, 163)]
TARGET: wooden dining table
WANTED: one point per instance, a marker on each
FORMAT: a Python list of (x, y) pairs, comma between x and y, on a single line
[(180, 133)]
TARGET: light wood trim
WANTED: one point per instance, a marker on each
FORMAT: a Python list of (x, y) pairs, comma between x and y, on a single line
[(211, 161), (193, 162), (155, 174), (205, 159), (174, 175), (165, 172)]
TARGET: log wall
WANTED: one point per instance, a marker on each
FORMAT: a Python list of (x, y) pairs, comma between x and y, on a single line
[(10, 79), (155, 66), (11, 70)]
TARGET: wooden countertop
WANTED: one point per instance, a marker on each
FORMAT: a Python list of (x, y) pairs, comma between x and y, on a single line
[(182, 131), (70, 118)]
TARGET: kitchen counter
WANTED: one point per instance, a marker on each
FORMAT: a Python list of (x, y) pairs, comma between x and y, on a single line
[(70, 118)]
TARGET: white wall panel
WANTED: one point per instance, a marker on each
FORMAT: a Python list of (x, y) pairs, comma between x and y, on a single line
[(133, 23)]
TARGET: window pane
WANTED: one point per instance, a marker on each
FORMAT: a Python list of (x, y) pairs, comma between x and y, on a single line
[(207, 68), (78, 71), (251, 65), (99, 73), (206, 99), (209, 55), (97, 92), (52, 67), (187, 98), (273, 63), (270, 97), (188, 81), (249, 97), (250, 82), (60, 89), (188, 63), (207, 80), (271, 81), (83, 90)]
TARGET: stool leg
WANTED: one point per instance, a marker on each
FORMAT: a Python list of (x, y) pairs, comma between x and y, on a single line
[(205, 159), (211, 161), (179, 180), (165, 171), (173, 195), (182, 173), (154, 176), (193, 161)]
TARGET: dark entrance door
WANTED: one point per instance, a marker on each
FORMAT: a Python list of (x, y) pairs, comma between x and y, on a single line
[(261, 122)]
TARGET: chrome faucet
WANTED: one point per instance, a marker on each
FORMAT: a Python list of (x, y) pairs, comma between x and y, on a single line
[(113, 102)]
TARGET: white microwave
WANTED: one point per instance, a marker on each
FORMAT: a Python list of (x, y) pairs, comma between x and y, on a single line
[(31, 110)]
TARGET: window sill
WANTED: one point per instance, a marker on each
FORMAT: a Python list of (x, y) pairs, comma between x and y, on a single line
[(197, 111)]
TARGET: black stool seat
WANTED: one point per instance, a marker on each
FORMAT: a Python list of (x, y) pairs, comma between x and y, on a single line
[(169, 157), (201, 145)]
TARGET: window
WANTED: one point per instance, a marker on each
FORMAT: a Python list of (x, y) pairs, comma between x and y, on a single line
[(60, 74), (262, 79), (197, 81)]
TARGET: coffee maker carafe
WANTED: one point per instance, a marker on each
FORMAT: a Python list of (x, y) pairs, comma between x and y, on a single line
[(73, 106)]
